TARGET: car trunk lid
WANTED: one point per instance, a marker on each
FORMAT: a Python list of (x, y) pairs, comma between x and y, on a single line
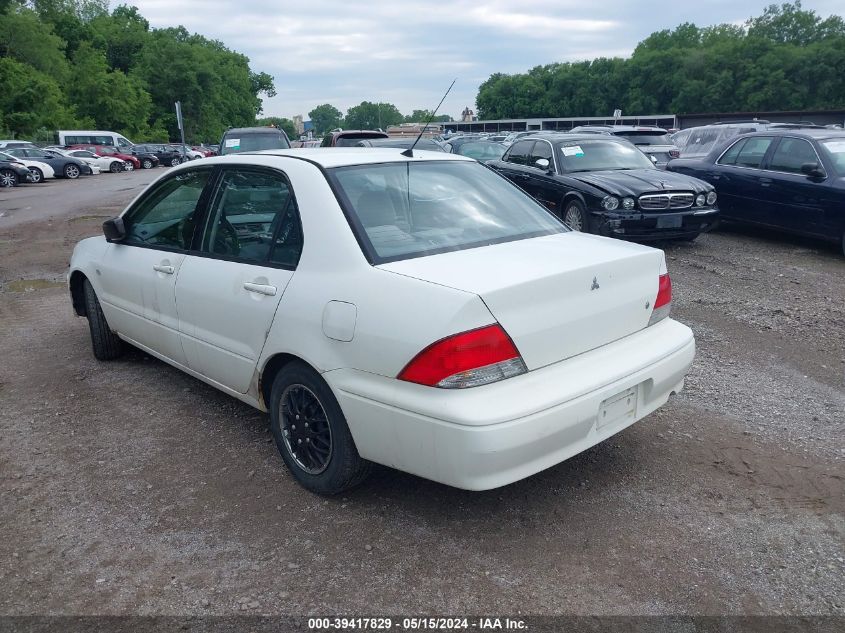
[(556, 296)]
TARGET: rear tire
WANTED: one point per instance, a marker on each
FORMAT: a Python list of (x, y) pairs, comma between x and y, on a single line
[(106, 344), (174, 162), (72, 171), (575, 216), (116, 166), (343, 468)]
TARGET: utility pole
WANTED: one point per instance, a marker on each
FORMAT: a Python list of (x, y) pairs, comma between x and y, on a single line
[(179, 121)]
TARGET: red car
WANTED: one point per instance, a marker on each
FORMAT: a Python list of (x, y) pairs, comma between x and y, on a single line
[(205, 151), (106, 150)]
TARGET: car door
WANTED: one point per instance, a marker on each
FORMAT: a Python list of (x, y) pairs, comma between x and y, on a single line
[(227, 293), (539, 183), (737, 175), (137, 276), (794, 201)]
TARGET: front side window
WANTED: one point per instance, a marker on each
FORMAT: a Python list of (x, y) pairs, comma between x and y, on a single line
[(123, 142), (254, 218), (791, 154), (403, 210), (542, 149), (519, 153), (167, 217)]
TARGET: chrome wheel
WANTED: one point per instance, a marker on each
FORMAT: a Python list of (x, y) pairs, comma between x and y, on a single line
[(174, 162), (72, 171), (37, 176), (128, 166), (8, 179), (305, 429), (147, 164), (574, 217)]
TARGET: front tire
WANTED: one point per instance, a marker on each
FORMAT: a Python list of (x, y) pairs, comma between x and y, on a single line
[(575, 216), (311, 432), (72, 172), (37, 174), (8, 178), (174, 162), (116, 166), (106, 344), (147, 163)]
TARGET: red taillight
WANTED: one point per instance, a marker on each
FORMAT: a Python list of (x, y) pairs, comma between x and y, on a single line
[(663, 302), (465, 360)]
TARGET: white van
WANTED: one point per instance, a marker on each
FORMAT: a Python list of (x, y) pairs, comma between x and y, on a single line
[(93, 137)]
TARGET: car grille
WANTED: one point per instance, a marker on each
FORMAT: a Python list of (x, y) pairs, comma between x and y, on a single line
[(663, 201)]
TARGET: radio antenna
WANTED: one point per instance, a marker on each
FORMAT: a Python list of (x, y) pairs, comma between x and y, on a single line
[(410, 151)]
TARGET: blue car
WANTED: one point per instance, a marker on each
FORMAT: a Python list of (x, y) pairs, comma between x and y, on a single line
[(790, 180)]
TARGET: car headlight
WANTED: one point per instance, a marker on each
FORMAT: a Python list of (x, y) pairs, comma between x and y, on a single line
[(610, 203), (711, 198), (699, 200), (628, 203)]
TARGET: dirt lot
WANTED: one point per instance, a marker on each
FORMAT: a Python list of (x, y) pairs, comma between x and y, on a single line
[(129, 487)]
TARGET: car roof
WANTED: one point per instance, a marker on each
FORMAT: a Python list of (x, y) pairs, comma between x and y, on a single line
[(623, 128), (813, 133), (329, 157), (252, 130)]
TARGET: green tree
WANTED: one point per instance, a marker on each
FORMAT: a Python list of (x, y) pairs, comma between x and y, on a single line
[(325, 118), (370, 116), (30, 100), (28, 39)]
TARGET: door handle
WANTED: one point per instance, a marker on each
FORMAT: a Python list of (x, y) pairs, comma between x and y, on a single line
[(162, 268), (765, 182), (260, 289)]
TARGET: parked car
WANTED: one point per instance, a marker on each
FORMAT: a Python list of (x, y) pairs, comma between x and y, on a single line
[(699, 141), (13, 173), (349, 138), (483, 151), (66, 138), (205, 150), (131, 162), (105, 163), (253, 139), (40, 171), (187, 152), (63, 166), (11, 144), (308, 143), (402, 142), (165, 154), (603, 184), (788, 179), (415, 312), (653, 141)]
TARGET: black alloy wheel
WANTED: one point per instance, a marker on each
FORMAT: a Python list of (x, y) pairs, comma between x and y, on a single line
[(305, 429)]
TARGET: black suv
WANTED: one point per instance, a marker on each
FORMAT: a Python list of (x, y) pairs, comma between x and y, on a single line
[(165, 154), (252, 139)]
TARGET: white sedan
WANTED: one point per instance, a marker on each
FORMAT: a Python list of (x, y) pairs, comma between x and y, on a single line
[(418, 312), (40, 171), (104, 163)]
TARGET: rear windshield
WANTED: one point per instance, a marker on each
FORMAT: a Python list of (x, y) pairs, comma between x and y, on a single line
[(645, 138), (404, 210), (351, 140), (253, 142)]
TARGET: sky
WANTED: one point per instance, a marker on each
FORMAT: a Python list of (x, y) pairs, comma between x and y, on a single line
[(407, 52)]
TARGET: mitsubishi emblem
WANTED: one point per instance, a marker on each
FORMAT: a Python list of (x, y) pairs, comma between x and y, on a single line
[(595, 285)]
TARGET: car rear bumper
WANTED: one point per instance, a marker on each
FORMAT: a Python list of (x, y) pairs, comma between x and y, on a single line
[(490, 436), (647, 226)]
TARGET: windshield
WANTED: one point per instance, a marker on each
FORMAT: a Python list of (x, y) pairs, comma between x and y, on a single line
[(404, 210), (600, 154), (351, 140), (835, 149), (253, 142), (645, 138), (481, 151)]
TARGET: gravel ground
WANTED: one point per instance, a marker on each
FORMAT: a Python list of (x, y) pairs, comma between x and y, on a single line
[(131, 488)]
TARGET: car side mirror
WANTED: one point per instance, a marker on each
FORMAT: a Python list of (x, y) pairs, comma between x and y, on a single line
[(542, 163), (114, 230), (812, 170)]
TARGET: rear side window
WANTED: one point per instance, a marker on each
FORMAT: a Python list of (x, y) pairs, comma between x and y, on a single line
[(753, 151), (253, 218), (404, 210)]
